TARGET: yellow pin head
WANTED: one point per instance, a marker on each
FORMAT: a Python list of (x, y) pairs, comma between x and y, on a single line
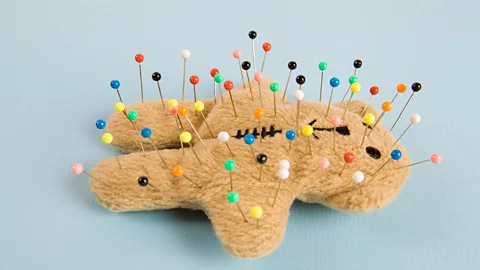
[(107, 138), (199, 106), (369, 119), (256, 212), (307, 130), (119, 107), (355, 87), (172, 102), (186, 137)]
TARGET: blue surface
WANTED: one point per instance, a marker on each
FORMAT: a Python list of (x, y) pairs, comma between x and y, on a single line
[(57, 59)]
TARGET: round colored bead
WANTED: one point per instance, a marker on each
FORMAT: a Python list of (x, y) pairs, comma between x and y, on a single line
[(249, 139), (416, 87), (172, 102), (335, 120), (229, 164), (334, 82), (139, 57), (156, 76), (369, 119), (218, 78), (357, 63), (256, 212), (415, 118), (119, 107), (349, 157), (323, 66), (133, 115), (115, 84), (258, 76), (290, 134), (307, 130), (358, 177), (146, 132), (228, 85), (352, 79), (258, 113), (267, 46), (283, 174), (223, 136), (284, 164), (77, 168), (298, 94), (178, 170), (182, 110), (186, 137), (194, 79), (252, 34), (237, 54), (436, 158), (185, 54), (173, 110), (355, 87), (246, 65), (386, 106), (214, 72), (401, 88), (262, 158), (143, 181), (107, 138), (274, 86), (100, 124), (292, 65), (374, 90), (199, 106), (233, 197), (323, 163), (300, 79), (396, 154)]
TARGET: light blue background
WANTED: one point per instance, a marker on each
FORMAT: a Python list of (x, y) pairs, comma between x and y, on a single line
[(58, 57)]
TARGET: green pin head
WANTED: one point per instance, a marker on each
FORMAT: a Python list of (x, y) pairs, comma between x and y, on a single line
[(132, 115), (229, 164), (218, 78), (274, 86), (233, 197), (323, 66), (352, 79)]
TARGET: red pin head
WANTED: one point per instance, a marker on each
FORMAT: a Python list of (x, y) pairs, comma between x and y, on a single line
[(436, 158), (267, 46), (139, 58), (214, 72), (228, 85), (194, 79), (258, 76), (349, 157), (173, 110), (77, 168), (237, 54), (374, 90)]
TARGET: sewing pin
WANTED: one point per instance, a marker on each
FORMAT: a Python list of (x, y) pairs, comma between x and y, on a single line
[(416, 87), (256, 212), (258, 77), (238, 54), (199, 107), (219, 79), (230, 165), (233, 197), (253, 35), (266, 47), (355, 88), (147, 134), (186, 137), (77, 168), (249, 139), (282, 174), (183, 111), (139, 58), (274, 87), (194, 80), (299, 95), (414, 119), (173, 111), (300, 80), (401, 88), (322, 66), (214, 72), (228, 85), (348, 157), (368, 120), (290, 135), (307, 131), (351, 80), (246, 66), (223, 136), (107, 138), (101, 124), (185, 55), (435, 158), (292, 65), (143, 182), (133, 116), (179, 171), (334, 82), (115, 84), (261, 159), (374, 90), (386, 107), (394, 155), (156, 77), (258, 113)]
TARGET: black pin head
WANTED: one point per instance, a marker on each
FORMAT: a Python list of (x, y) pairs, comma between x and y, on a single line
[(357, 63), (143, 181), (292, 65), (246, 65), (252, 34), (261, 158), (301, 79), (416, 87), (156, 76)]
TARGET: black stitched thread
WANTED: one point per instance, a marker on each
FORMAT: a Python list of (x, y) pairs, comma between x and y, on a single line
[(271, 132), (342, 130)]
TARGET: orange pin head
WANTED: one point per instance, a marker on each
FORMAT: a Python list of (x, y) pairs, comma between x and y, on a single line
[(386, 106), (182, 110), (178, 170), (401, 88), (258, 113)]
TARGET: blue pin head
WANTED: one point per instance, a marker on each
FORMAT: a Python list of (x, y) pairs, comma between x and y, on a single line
[(100, 124), (146, 132), (396, 154), (334, 82), (115, 84), (249, 139), (290, 134)]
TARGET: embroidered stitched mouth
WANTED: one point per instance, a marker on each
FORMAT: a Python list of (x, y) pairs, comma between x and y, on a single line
[(264, 133)]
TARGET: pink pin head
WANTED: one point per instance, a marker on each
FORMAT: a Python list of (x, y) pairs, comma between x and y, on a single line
[(323, 163), (258, 76), (436, 158), (77, 168), (173, 110), (237, 54), (335, 120)]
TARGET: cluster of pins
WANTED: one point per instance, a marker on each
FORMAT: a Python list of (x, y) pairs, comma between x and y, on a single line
[(179, 112)]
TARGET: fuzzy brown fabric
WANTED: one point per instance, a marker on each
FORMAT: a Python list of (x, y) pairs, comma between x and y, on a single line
[(118, 190)]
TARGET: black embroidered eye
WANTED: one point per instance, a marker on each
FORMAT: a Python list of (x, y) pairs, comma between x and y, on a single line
[(373, 152)]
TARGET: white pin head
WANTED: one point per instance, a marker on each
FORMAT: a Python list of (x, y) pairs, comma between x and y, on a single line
[(284, 164), (415, 118), (299, 95), (223, 136), (185, 54), (358, 177), (283, 174)]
